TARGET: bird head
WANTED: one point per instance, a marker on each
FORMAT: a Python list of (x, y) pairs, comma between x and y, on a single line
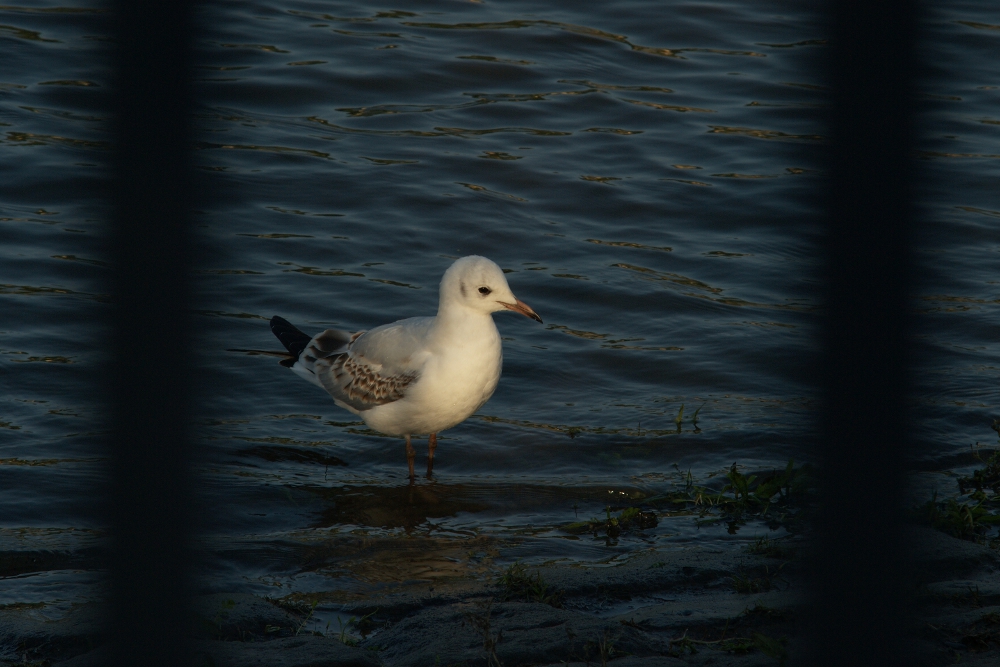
[(480, 285)]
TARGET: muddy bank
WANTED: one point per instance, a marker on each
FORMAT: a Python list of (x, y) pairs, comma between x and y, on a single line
[(691, 605)]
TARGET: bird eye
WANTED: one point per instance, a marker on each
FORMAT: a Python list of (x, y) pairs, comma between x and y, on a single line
[(484, 290)]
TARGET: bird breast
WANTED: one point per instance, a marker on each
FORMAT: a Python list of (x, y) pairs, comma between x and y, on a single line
[(465, 378), (458, 377)]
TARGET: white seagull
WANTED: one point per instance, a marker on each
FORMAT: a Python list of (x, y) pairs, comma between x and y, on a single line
[(421, 375)]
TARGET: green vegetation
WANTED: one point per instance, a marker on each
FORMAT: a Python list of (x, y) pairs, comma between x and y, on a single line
[(757, 580), (516, 584), (981, 634), (305, 610), (363, 625), (629, 519), (771, 548), (776, 497), (605, 648), (214, 625), (779, 498), (975, 511), (694, 417), (769, 646), (308, 617), (481, 624), (765, 613)]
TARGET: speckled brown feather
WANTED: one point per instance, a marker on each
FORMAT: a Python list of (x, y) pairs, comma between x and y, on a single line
[(358, 384)]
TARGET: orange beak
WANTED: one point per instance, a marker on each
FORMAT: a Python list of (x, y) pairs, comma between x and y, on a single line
[(521, 307)]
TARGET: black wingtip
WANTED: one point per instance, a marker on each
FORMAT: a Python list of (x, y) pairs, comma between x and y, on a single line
[(294, 340)]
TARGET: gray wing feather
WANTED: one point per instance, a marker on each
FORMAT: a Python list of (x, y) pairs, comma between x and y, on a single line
[(366, 369)]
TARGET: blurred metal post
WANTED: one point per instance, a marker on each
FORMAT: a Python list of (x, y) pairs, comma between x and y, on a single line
[(150, 377), (860, 560)]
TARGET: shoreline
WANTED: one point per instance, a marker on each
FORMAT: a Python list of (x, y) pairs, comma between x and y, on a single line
[(680, 605)]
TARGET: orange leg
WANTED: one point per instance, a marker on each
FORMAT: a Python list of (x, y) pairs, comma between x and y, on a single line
[(432, 443), (410, 453)]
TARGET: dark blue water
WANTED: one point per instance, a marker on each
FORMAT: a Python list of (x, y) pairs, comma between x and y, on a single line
[(647, 175)]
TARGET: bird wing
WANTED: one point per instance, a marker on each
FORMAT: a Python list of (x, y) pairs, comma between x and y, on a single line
[(369, 368)]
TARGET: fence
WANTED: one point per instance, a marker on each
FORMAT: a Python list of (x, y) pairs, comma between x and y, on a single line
[(858, 591), (151, 379), (860, 556)]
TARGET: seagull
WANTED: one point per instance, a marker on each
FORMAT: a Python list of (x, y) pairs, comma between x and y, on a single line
[(417, 376)]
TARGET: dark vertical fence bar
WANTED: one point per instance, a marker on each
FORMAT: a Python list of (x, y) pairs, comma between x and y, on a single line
[(150, 379), (861, 556)]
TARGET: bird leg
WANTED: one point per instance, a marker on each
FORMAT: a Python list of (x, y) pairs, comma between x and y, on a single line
[(410, 453), (432, 443)]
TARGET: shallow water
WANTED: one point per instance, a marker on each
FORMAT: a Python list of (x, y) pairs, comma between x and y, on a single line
[(648, 181)]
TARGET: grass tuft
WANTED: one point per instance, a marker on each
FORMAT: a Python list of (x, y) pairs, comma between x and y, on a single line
[(516, 583), (975, 512), (779, 498), (757, 580), (769, 646), (481, 623), (768, 547)]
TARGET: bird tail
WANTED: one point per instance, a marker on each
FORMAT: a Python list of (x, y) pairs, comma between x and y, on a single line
[(294, 340)]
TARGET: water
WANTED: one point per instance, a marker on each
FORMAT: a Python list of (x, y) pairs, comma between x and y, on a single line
[(649, 181)]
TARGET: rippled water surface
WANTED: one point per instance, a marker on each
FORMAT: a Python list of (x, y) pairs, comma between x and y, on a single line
[(647, 175)]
